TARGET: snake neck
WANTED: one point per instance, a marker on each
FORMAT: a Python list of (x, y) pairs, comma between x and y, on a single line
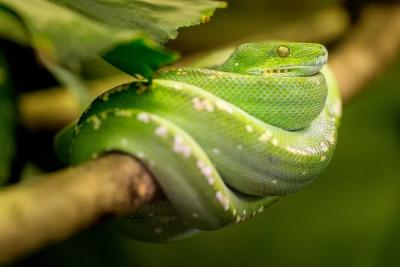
[(290, 103)]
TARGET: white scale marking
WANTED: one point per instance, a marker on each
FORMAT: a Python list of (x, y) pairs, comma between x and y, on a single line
[(275, 141), (143, 117), (265, 137), (224, 106), (205, 170), (223, 200), (96, 122), (181, 148), (249, 128), (201, 105), (123, 113), (161, 131)]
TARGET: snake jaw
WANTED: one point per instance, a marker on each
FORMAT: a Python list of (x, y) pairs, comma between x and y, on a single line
[(293, 70), (299, 70), (303, 69)]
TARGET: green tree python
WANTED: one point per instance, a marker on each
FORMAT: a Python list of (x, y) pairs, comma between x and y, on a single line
[(222, 142)]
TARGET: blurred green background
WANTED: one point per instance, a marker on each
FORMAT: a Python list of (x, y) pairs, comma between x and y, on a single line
[(350, 216)]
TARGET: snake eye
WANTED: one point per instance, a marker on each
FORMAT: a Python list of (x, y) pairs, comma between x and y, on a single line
[(283, 51)]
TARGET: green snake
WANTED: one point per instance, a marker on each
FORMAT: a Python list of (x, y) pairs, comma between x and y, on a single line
[(222, 142)]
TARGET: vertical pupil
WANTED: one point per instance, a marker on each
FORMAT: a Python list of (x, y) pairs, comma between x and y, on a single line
[(283, 51)]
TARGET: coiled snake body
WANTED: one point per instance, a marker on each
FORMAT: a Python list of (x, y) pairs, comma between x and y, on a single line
[(223, 143)]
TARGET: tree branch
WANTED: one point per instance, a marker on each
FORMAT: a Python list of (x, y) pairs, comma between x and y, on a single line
[(55, 107), (52, 208), (368, 50), (35, 214)]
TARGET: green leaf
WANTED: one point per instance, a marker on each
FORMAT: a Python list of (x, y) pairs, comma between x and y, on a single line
[(146, 57), (7, 117), (68, 32), (159, 18)]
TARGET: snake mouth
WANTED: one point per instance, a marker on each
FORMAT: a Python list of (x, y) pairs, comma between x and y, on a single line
[(299, 70), (307, 69)]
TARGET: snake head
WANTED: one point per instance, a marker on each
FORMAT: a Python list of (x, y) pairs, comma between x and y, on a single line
[(277, 58)]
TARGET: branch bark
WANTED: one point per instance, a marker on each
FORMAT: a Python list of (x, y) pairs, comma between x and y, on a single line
[(368, 50), (35, 214), (54, 207)]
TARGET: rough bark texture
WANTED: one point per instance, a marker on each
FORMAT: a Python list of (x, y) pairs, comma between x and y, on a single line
[(53, 207)]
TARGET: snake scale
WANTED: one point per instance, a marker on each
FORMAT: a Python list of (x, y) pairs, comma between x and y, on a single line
[(222, 142)]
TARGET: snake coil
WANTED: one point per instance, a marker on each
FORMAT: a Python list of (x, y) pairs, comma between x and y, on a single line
[(222, 142)]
